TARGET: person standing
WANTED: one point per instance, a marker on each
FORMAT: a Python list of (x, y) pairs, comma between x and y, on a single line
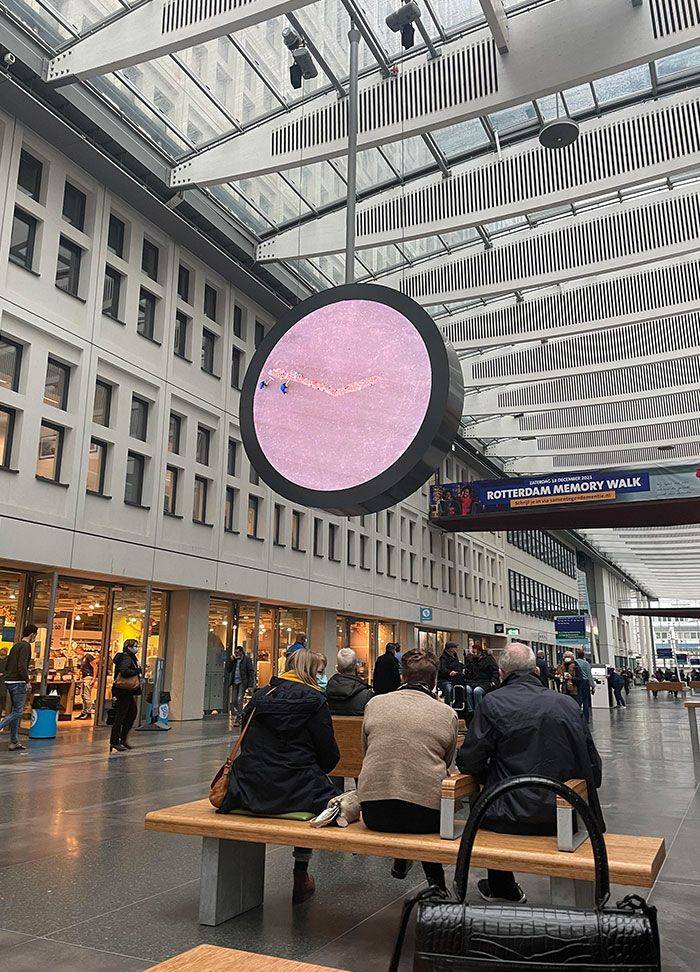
[(586, 685), (568, 676), (126, 667), (387, 674), (543, 668), (617, 683), (481, 675), (3, 690), (298, 644), (240, 668), (87, 672), (17, 683), (449, 670)]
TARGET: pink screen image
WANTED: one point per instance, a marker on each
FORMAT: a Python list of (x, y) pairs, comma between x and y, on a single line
[(358, 380)]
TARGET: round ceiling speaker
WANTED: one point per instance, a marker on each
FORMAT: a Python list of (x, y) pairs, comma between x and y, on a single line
[(559, 133)]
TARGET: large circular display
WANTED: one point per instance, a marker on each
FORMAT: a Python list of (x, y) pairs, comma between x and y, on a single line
[(351, 400)]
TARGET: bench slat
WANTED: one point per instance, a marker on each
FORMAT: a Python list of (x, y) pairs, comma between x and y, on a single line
[(213, 958), (633, 860)]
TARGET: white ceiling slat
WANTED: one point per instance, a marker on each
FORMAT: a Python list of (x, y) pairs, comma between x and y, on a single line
[(551, 46)]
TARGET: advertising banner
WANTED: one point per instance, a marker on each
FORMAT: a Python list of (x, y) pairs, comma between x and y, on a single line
[(571, 499)]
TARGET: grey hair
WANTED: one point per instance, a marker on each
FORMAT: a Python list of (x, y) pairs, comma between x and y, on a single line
[(517, 658), (347, 660)]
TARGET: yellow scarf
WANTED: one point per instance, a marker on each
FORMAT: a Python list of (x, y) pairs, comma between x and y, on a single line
[(293, 676)]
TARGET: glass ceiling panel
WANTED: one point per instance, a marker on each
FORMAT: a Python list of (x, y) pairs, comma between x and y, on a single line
[(458, 140), (372, 169), (264, 44), (271, 195), (408, 155), (625, 84), (381, 258), (518, 116), (319, 184), (147, 119), (46, 27), (454, 13), (327, 24), (680, 63), (230, 198), (458, 237), (579, 99), (85, 15), (415, 249)]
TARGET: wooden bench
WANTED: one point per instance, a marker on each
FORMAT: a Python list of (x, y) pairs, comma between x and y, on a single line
[(666, 687), (694, 687), (233, 855), (692, 708), (213, 958)]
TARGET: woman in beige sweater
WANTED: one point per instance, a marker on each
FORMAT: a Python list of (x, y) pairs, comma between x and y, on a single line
[(409, 741)]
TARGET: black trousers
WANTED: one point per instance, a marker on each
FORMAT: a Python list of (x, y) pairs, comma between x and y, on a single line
[(125, 712), (618, 696), (400, 817)]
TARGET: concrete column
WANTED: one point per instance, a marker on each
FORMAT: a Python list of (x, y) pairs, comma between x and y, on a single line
[(322, 635), (188, 629), (408, 636)]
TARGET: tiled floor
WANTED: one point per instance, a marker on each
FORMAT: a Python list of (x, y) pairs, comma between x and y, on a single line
[(82, 886)]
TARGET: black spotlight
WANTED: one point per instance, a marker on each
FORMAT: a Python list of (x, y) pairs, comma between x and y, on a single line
[(559, 133)]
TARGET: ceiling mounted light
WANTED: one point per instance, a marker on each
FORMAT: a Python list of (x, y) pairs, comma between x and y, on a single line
[(303, 66), (559, 132)]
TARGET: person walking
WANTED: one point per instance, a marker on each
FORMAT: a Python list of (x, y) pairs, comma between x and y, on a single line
[(543, 668), (240, 668), (3, 690), (87, 672), (617, 683), (586, 685), (387, 674), (287, 751), (480, 675), (449, 671), (126, 687), (17, 683)]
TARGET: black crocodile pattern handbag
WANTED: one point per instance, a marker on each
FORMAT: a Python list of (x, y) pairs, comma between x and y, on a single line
[(456, 936)]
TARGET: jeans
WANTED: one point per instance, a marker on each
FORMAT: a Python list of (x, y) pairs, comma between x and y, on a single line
[(584, 700), (446, 689), (618, 696), (86, 694), (400, 817), (475, 695), (18, 695), (238, 693)]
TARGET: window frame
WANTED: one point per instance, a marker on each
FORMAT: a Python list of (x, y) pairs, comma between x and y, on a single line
[(150, 254), (113, 220), (65, 369), (254, 504), (203, 482), (236, 367), (231, 442), (181, 270), (206, 335), (175, 483), (101, 383), (61, 432), (117, 278), (140, 460), (182, 327), (230, 498), (103, 447), (204, 436), (26, 155), (32, 224), (17, 369), (147, 299), (75, 268), (140, 401), (6, 453), (208, 290), (178, 420), (80, 199)]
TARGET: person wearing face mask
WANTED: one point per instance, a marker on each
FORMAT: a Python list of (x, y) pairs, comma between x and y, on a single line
[(321, 677), (125, 689), (568, 675)]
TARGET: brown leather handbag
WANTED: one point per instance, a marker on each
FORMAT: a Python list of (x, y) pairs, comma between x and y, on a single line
[(219, 785), (130, 683)]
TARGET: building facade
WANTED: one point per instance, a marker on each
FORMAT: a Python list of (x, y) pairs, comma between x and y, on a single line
[(128, 507)]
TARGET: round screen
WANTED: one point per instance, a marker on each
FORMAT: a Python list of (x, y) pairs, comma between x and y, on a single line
[(347, 397)]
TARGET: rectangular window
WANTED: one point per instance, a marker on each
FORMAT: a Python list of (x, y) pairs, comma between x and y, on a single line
[(278, 525), (210, 302), (182, 326), (29, 177), (97, 462), (146, 322), (174, 432), (7, 426), (74, 206), (149, 259), (318, 537), (364, 549), (138, 422), (351, 548), (183, 283), (199, 508), (208, 351), (23, 239), (297, 521), (333, 542), (111, 293), (133, 486), (68, 266), (238, 321), (232, 457), (230, 510), (48, 464), (203, 445), (10, 363), (56, 384), (115, 236), (236, 367), (253, 515), (102, 404), (390, 568), (253, 477), (259, 333), (170, 497)]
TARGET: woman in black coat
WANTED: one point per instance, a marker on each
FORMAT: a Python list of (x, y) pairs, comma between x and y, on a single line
[(288, 750), (127, 665)]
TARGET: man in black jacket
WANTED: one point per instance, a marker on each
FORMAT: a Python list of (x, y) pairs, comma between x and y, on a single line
[(387, 674), (525, 729), (346, 692), (480, 674), (240, 668), (18, 684), (449, 670), (543, 668)]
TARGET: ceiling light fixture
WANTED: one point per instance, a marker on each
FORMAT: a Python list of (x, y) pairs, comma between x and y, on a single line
[(559, 132)]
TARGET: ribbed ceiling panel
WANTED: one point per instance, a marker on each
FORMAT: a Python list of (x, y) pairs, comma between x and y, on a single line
[(639, 410), (584, 460), (688, 429)]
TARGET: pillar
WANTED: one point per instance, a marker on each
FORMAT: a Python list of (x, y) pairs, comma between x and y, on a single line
[(322, 635), (188, 629)]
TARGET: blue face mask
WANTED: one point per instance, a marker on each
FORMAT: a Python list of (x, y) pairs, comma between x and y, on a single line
[(322, 681)]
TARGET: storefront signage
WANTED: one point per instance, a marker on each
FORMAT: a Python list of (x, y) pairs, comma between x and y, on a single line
[(513, 632), (351, 401), (426, 614), (574, 499), (499, 629)]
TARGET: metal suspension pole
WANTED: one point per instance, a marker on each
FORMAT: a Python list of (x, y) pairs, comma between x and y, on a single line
[(354, 38)]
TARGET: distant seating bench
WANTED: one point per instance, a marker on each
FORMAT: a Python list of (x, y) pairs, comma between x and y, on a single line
[(233, 855), (213, 958), (666, 687)]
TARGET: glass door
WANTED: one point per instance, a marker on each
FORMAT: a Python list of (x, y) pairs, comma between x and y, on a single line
[(219, 646), (77, 644), (127, 620)]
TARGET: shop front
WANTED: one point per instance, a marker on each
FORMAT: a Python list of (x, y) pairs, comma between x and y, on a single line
[(433, 640), (367, 637), (82, 624)]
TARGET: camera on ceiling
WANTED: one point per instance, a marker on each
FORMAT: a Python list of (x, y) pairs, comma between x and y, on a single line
[(304, 67), (402, 21)]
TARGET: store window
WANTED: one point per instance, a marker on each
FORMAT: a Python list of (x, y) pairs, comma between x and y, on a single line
[(219, 649), (366, 638), (11, 588), (48, 465)]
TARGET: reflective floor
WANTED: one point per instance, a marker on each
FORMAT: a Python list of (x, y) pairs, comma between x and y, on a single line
[(82, 886)]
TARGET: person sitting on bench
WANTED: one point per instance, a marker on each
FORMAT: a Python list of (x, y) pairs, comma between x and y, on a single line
[(524, 729), (449, 671), (409, 740), (288, 750), (346, 692)]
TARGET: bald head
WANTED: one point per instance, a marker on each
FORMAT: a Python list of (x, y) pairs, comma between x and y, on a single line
[(517, 658)]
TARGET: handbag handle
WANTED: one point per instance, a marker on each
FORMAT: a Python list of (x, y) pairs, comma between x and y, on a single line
[(487, 797), (241, 736)]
